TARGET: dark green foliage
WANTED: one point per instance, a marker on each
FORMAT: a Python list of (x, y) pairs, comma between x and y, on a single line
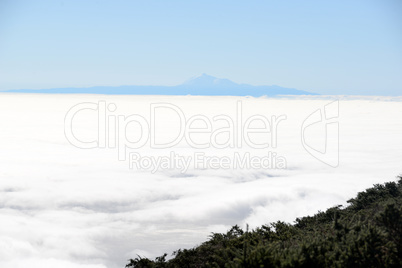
[(145, 262), (368, 233)]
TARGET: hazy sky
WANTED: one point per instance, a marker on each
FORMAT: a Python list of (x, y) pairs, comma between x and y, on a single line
[(328, 47)]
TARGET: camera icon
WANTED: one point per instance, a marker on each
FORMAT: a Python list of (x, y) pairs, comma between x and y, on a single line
[(324, 123)]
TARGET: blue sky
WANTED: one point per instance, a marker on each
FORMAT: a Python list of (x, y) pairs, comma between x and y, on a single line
[(327, 47)]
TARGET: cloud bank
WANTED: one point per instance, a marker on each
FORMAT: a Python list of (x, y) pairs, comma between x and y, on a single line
[(62, 206)]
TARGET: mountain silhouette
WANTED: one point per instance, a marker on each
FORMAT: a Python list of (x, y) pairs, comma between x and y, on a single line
[(202, 85), (208, 81)]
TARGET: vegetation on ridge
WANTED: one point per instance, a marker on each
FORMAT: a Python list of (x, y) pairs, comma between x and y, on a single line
[(367, 233)]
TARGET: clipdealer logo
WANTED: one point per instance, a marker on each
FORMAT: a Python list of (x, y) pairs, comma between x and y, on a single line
[(240, 132)]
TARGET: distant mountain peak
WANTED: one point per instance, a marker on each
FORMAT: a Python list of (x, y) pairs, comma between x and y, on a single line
[(207, 81), (205, 75)]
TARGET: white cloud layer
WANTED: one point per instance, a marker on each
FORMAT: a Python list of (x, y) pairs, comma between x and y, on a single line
[(61, 206)]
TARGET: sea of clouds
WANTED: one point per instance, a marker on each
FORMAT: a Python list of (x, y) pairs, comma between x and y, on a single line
[(62, 205)]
